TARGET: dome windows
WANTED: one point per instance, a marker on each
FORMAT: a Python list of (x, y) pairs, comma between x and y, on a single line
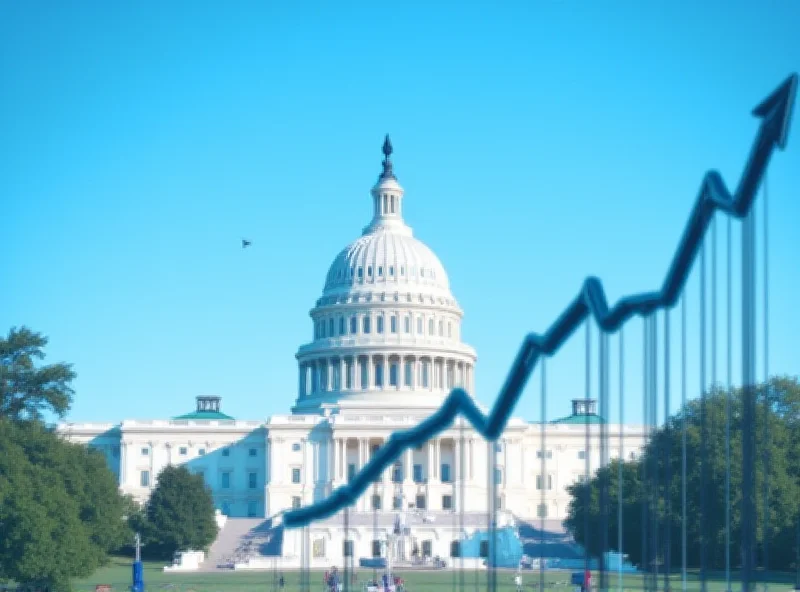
[(391, 271), (430, 326), (369, 271), (393, 374), (366, 326), (393, 323), (361, 274), (441, 328), (379, 324), (353, 325), (407, 324), (402, 271), (420, 330), (380, 271), (341, 325), (378, 369), (331, 327)]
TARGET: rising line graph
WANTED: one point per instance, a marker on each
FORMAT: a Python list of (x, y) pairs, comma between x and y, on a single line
[(775, 114)]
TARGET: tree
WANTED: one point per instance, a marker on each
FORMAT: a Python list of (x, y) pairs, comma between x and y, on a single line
[(25, 389), (60, 510), (646, 495), (180, 514)]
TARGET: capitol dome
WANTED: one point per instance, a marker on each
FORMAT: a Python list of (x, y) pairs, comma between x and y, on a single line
[(386, 321)]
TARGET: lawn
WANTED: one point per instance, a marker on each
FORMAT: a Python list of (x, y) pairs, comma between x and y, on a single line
[(118, 575)]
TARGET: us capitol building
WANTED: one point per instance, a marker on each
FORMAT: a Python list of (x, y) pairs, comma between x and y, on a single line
[(386, 351)]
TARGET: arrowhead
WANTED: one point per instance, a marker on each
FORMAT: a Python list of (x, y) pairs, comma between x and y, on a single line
[(776, 111)]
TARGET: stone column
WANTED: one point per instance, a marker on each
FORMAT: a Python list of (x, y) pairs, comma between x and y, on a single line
[(431, 461), (386, 384)]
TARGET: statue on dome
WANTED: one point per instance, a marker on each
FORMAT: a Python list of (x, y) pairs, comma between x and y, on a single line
[(387, 163)]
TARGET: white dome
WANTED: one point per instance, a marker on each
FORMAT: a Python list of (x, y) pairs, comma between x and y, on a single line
[(385, 259)]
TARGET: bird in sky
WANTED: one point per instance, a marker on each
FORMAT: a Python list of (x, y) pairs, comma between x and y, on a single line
[(246, 243)]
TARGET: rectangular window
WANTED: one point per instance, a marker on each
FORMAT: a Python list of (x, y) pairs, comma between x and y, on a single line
[(226, 480), (447, 502), (296, 502), (420, 502), (376, 549), (393, 374), (408, 373), (201, 452), (541, 511), (419, 325), (418, 474), (391, 271), (397, 473), (341, 325), (366, 326), (379, 324), (295, 475), (425, 372), (379, 374), (407, 324), (330, 328), (393, 324), (353, 325), (144, 478), (252, 452), (252, 508), (446, 473), (252, 480), (397, 503), (376, 502), (348, 378), (380, 271), (427, 548), (430, 326), (364, 374), (498, 476), (145, 451)]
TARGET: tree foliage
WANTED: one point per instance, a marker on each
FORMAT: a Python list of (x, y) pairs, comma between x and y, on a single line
[(646, 495), (27, 390), (60, 509), (179, 514)]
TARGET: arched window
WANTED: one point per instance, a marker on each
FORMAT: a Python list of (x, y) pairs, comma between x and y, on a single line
[(379, 324), (366, 328), (353, 325), (393, 323)]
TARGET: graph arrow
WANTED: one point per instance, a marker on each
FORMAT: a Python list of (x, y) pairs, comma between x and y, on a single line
[(775, 113)]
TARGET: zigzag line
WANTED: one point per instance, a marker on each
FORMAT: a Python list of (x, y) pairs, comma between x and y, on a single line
[(775, 112)]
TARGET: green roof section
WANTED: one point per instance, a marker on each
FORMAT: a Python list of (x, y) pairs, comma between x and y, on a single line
[(204, 415), (583, 411), (591, 419), (207, 408)]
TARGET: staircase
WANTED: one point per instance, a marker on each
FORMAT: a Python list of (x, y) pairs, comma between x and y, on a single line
[(229, 540)]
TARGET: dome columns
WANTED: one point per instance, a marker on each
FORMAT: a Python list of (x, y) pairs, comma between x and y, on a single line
[(383, 372)]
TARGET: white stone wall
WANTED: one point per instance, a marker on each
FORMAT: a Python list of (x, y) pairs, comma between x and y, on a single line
[(301, 459)]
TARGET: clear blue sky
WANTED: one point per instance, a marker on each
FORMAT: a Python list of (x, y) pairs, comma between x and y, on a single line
[(538, 142)]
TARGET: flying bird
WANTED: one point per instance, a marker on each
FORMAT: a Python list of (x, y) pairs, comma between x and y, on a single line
[(245, 243)]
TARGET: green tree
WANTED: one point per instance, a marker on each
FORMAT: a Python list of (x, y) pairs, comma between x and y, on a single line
[(180, 514), (777, 479), (60, 510), (27, 390)]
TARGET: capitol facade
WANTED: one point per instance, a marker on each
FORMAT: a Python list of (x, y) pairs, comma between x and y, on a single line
[(387, 349)]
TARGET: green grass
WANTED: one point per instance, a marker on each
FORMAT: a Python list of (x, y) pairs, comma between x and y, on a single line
[(118, 575)]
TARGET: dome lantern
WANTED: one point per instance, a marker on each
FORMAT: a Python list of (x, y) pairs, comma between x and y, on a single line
[(387, 196)]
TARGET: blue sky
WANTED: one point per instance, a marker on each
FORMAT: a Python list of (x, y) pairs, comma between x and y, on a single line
[(538, 143)]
